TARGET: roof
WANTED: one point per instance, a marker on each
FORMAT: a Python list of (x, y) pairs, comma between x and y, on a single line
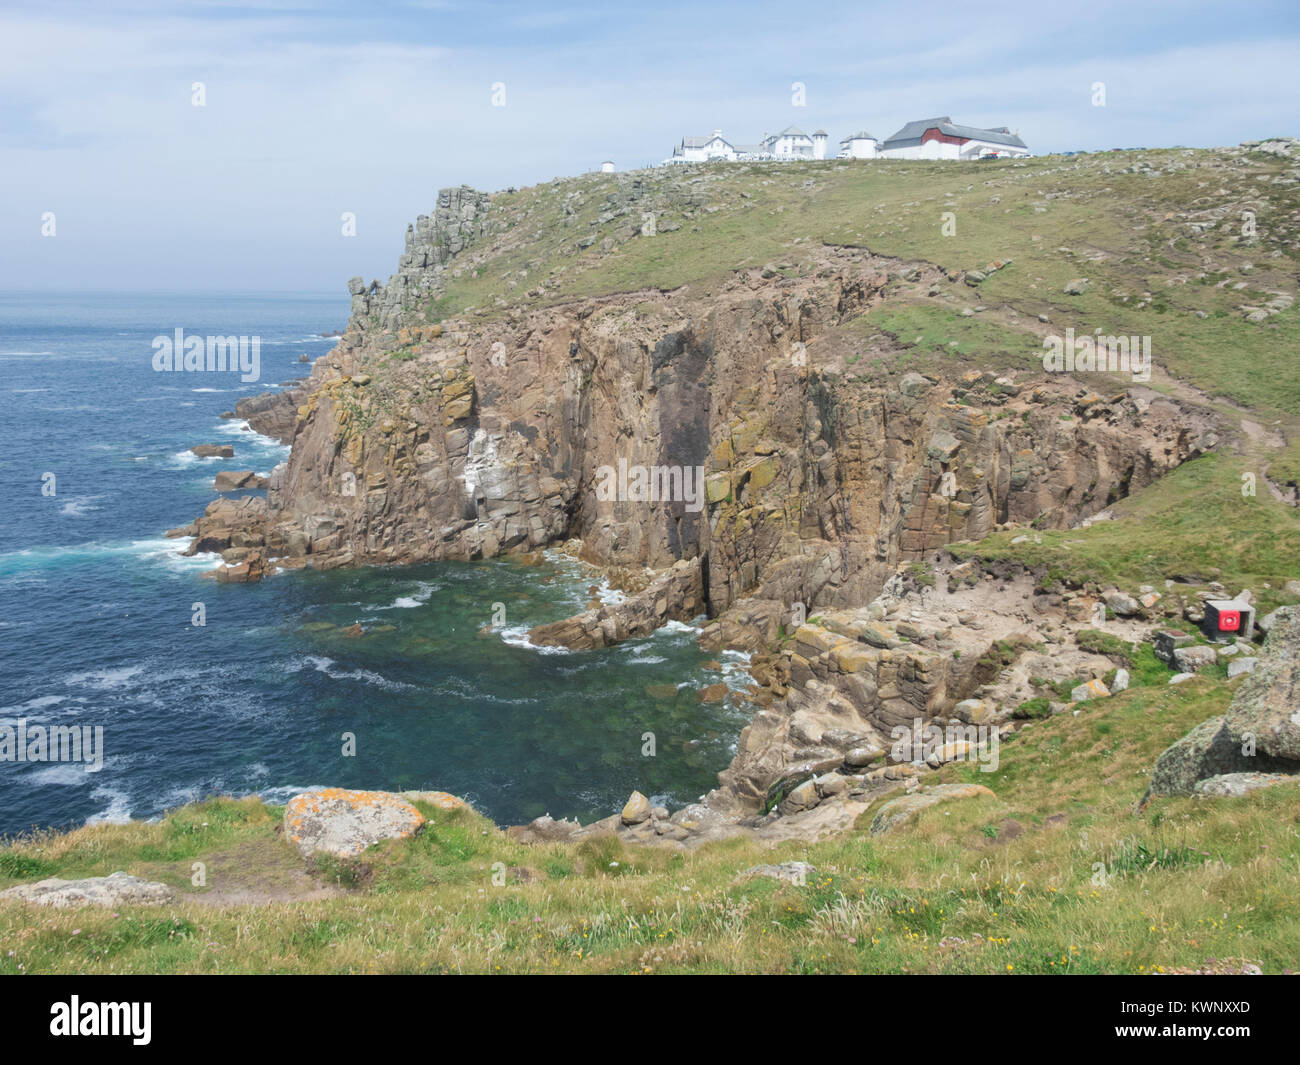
[(912, 133), (861, 135), (700, 142)]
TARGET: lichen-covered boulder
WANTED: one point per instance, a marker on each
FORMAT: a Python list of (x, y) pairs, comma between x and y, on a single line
[(117, 889), (344, 823), (896, 811), (1207, 751), (1267, 704), (1237, 784)]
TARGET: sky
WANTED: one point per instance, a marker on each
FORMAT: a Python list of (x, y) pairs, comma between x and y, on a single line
[(312, 109)]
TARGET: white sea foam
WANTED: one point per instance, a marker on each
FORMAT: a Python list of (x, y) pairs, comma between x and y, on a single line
[(65, 774), (409, 602), (103, 679), (14, 563), (327, 666), (518, 637), (41, 702), (75, 508), (118, 810)]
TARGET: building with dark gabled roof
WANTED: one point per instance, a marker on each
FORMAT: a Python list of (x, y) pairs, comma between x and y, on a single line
[(942, 138)]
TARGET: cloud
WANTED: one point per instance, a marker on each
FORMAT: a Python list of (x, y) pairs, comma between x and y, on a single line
[(316, 109)]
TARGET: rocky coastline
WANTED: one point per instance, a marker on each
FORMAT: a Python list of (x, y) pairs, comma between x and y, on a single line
[(817, 542)]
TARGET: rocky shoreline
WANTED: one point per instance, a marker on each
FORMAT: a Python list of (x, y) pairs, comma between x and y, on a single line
[(827, 497)]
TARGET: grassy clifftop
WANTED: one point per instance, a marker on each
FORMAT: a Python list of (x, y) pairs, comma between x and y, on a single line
[(1056, 873), (1185, 246)]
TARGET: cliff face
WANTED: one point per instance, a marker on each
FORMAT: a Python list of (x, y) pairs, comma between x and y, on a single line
[(797, 456), (465, 439)]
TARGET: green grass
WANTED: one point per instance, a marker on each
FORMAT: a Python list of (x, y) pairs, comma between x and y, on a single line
[(1054, 219), (1193, 524), (1185, 881)]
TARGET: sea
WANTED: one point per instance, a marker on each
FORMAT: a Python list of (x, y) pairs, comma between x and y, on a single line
[(199, 689)]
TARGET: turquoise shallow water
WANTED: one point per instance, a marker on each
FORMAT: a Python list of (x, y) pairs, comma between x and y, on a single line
[(96, 612)]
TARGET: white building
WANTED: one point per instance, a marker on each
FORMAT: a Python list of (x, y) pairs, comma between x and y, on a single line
[(789, 144), (703, 149), (860, 145), (794, 143), (607, 167), (941, 138)]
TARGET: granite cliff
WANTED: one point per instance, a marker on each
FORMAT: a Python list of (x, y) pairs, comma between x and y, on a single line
[(806, 462)]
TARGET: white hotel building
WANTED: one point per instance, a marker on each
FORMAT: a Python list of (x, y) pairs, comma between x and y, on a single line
[(927, 138)]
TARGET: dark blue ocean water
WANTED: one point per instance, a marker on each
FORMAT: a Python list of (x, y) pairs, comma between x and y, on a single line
[(96, 611)]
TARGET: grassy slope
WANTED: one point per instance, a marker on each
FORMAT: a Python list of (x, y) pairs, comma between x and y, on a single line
[(1055, 218), (1194, 524), (1225, 883)]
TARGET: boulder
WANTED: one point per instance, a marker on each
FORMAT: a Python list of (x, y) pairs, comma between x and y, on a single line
[(441, 799), (1235, 785), (790, 872), (1208, 750), (214, 451), (975, 712), (117, 889), (863, 756), (1267, 703), (896, 811), (1092, 689), (636, 809), (1123, 604), (804, 797), (345, 823), (1192, 659), (1241, 666), (235, 480)]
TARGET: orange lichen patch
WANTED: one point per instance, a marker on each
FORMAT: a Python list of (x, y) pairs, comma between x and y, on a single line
[(346, 822)]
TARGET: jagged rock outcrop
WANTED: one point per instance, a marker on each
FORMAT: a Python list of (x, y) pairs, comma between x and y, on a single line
[(274, 414), (723, 437), (675, 595), (791, 478), (431, 243)]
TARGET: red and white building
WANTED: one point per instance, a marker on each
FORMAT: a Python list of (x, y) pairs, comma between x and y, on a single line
[(941, 138)]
